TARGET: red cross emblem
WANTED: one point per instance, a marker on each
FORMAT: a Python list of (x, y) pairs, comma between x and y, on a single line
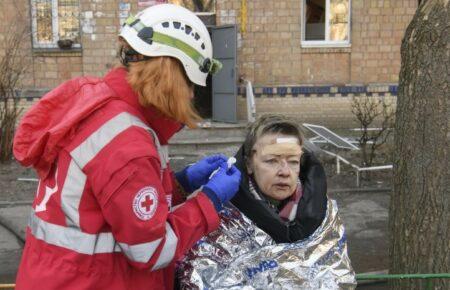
[(145, 203)]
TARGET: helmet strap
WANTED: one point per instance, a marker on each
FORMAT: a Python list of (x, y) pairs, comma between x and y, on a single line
[(128, 54)]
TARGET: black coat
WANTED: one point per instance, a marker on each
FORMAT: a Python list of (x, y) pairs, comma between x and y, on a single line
[(311, 208)]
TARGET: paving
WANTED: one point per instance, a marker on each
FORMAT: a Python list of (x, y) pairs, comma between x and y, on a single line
[(12, 234)]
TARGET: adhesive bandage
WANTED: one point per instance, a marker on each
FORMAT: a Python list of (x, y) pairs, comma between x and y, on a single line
[(284, 146)]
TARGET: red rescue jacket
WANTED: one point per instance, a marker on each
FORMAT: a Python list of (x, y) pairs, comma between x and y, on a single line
[(102, 217)]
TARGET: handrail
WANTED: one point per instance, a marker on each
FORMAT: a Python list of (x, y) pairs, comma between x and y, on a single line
[(427, 277), (356, 167), (401, 276)]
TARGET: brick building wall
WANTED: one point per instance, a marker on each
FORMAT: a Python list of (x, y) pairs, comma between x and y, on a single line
[(325, 105), (269, 53), (271, 56), (47, 68)]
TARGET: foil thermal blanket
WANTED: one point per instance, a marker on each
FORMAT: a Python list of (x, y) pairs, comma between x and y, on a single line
[(239, 255)]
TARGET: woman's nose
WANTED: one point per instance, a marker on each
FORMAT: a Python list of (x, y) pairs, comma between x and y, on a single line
[(284, 169)]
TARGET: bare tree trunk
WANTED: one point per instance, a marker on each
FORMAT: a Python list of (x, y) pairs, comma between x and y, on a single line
[(420, 212)]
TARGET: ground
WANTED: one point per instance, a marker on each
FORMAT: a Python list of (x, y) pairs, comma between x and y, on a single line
[(364, 211), (13, 190)]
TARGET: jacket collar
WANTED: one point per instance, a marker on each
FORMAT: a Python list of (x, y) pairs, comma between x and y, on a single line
[(164, 127)]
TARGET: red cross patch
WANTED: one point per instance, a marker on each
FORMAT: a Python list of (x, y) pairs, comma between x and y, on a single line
[(145, 203)]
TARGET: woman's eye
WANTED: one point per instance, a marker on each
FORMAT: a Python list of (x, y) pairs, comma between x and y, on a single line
[(294, 162), (271, 161)]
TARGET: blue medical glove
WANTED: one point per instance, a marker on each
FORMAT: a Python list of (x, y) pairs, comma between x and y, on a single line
[(196, 175), (223, 185)]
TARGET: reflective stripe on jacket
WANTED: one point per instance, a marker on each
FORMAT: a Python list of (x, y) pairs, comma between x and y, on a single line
[(102, 215)]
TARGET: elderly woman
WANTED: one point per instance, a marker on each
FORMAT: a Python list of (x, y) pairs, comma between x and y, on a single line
[(282, 232), (283, 186)]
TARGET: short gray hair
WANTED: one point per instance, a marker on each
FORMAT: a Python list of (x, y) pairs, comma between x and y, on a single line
[(270, 124)]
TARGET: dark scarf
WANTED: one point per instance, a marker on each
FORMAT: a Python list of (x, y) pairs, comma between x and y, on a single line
[(287, 209)]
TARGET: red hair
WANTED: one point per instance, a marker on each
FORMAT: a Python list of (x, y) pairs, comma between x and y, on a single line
[(162, 82)]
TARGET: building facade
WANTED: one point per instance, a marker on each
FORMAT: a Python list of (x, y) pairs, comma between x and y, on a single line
[(305, 58)]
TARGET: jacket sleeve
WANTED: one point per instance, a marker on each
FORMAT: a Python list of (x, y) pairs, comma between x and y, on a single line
[(134, 205), (179, 195), (313, 204)]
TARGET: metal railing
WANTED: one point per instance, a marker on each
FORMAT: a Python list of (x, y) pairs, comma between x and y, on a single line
[(358, 169), (383, 277)]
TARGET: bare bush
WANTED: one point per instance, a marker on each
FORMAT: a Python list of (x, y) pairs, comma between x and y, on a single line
[(371, 112), (13, 65)]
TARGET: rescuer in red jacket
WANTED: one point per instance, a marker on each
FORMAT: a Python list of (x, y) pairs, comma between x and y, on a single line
[(104, 215)]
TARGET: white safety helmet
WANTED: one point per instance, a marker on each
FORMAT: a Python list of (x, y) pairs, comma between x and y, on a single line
[(171, 30)]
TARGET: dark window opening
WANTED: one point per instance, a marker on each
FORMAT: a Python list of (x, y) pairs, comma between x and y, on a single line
[(315, 20)]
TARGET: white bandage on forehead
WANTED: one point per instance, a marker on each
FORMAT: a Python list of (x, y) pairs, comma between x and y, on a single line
[(284, 146), (287, 140)]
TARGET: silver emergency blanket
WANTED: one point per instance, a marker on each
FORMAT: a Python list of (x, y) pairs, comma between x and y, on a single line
[(239, 255)]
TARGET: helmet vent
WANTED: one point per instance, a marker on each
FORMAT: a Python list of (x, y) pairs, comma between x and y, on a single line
[(146, 34), (176, 24), (197, 37), (203, 46), (165, 24), (187, 29)]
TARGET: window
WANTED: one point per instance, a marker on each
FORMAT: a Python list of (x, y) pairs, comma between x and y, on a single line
[(54, 20), (204, 7), (326, 23)]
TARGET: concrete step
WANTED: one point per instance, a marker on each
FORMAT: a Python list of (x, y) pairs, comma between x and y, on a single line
[(209, 138), (212, 129), (205, 146)]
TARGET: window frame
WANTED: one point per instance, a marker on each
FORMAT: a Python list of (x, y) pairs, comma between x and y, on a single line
[(55, 28), (205, 13), (326, 42)]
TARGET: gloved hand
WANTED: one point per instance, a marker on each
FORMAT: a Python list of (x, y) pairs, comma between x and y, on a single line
[(196, 175), (223, 185)]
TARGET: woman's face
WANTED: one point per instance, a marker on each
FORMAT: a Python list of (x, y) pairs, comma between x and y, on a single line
[(275, 165)]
